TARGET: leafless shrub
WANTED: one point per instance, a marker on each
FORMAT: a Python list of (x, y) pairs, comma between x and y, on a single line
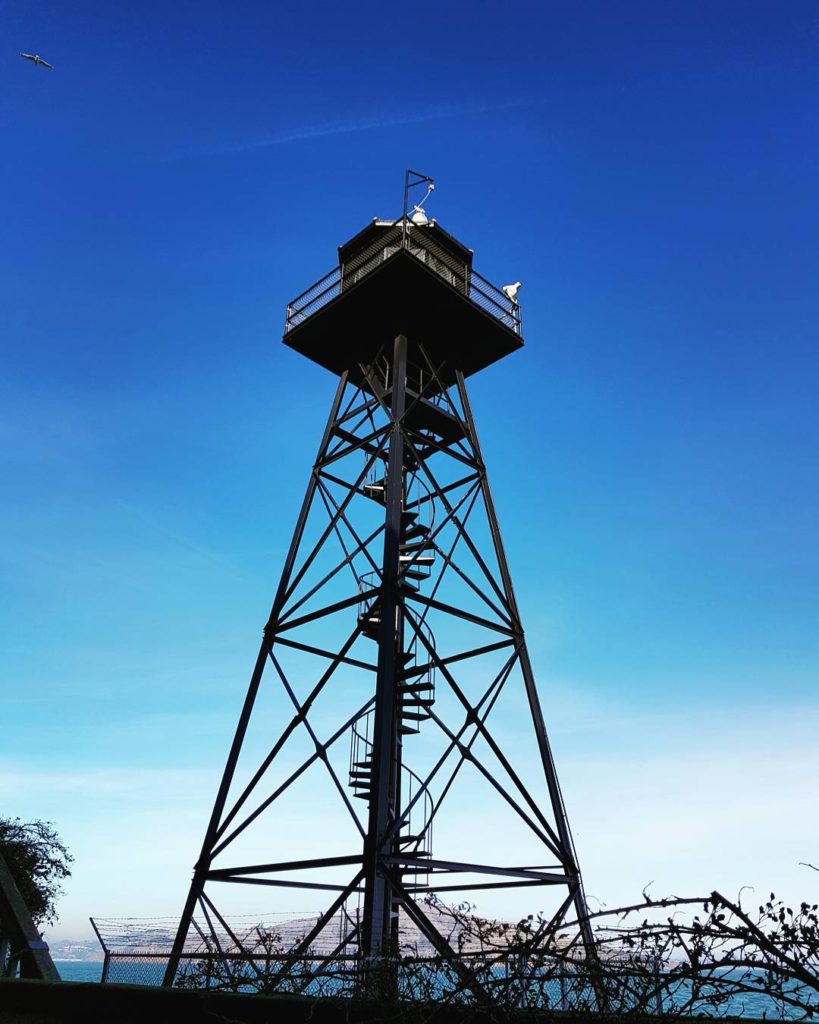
[(699, 956)]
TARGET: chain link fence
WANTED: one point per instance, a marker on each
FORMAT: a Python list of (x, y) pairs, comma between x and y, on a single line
[(249, 955), (259, 956), (430, 981)]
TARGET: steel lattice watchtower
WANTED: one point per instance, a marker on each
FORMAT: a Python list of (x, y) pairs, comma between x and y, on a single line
[(393, 637)]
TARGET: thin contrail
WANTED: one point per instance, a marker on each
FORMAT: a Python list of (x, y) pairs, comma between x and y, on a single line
[(347, 127), (185, 542)]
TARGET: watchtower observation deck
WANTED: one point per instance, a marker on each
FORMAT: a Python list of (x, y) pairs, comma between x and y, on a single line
[(397, 277)]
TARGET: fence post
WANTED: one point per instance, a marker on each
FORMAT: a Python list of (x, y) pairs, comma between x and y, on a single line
[(106, 951)]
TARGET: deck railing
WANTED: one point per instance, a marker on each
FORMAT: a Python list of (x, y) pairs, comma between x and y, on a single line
[(423, 247)]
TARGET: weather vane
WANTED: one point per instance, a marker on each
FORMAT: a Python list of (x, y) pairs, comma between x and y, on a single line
[(412, 179)]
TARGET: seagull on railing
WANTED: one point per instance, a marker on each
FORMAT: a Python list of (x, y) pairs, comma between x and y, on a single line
[(511, 292), (35, 58)]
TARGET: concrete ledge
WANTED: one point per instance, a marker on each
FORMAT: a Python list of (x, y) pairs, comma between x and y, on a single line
[(40, 1002), (66, 1002)]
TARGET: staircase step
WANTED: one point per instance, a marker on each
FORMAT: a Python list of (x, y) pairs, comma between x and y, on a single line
[(417, 559), (367, 763), (414, 716), (407, 730), (370, 625), (415, 574), (423, 544), (416, 530), (415, 687), (416, 534), (423, 415)]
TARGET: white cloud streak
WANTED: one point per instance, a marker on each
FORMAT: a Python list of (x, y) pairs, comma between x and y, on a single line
[(348, 126)]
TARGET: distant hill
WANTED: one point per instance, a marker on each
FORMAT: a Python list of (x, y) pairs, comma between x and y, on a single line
[(76, 949)]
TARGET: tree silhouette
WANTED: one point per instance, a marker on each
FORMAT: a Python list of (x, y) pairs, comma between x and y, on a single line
[(39, 863)]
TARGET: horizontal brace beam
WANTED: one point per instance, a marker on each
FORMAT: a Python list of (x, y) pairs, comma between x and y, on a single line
[(324, 475), (356, 444), (459, 613), (330, 655), (443, 490), (280, 883), (289, 865), (286, 784), (472, 888), (450, 563), (477, 652), (370, 405), (549, 878), (422, 441), (331, 609)]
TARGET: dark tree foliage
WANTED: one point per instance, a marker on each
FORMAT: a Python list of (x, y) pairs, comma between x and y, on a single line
[(38, 861)]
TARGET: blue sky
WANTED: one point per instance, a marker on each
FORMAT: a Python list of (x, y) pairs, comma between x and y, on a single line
[(648, 170)]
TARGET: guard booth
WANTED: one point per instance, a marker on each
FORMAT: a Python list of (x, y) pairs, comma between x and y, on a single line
[(399, 277), (429, 243)]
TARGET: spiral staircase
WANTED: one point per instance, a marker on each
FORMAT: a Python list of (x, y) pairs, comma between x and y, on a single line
[(416, 680)]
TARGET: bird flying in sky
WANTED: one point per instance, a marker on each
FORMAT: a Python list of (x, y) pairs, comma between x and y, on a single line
[(35, 58)]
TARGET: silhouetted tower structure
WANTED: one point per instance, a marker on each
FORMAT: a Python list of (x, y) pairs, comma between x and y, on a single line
[(394, 639)]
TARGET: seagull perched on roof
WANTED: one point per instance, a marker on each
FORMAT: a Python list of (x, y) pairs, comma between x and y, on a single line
[(37, 59), (511, 292)]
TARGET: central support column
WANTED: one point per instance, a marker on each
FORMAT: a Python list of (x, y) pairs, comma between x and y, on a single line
[(385, 773)]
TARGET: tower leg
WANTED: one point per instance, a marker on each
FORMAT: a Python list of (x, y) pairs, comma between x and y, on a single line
[(203, 864), (377, 886), (555, 795)]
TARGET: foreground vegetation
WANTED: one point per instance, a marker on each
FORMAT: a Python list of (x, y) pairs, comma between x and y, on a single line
[(39, 863), (702, 956)]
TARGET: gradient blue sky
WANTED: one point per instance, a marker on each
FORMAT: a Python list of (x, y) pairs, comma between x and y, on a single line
[(648, 170)]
